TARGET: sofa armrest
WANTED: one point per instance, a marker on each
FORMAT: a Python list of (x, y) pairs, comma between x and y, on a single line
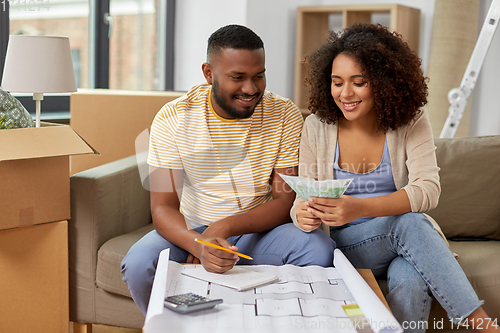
[(106, 201)]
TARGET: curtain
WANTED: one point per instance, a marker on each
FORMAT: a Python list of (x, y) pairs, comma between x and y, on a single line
[(454, 35)]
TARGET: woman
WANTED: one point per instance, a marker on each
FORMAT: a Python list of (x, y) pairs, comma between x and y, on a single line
[(366, 93)]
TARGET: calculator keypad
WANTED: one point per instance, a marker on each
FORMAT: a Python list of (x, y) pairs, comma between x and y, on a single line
[(189, 302), (185, 299)]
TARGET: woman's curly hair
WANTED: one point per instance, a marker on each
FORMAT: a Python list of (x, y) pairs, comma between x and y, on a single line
[(390, 67)]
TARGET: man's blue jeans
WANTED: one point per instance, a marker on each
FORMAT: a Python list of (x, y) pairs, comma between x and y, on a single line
[(417, 263), (285, 244)]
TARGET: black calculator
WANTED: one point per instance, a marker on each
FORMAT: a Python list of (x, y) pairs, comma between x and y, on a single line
[(189, 302)]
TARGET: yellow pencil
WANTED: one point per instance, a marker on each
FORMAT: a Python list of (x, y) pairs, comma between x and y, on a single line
[(222, 248)]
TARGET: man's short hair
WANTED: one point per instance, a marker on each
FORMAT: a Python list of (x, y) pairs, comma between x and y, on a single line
[(235, 37)]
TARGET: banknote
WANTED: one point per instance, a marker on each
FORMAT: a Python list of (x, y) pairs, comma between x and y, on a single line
[(307, 187)]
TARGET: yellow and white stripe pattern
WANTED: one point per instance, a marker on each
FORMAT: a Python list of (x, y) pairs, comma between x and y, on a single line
[(227, 163)]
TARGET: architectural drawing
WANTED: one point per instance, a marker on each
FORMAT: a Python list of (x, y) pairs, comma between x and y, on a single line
[(305, 299)]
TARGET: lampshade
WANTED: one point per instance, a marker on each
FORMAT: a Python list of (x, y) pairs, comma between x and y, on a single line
[(38, 64)]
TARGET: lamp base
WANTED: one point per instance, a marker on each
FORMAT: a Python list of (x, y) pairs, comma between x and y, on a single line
[(38, 97)]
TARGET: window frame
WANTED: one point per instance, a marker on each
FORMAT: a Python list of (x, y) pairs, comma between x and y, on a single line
[(100, 40), (4, 35)]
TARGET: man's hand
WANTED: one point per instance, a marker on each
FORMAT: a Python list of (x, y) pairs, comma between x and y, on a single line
[(215, 260), (335, 212), (307, 221), (191, 259)]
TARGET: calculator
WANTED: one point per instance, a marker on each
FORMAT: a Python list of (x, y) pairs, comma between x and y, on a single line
[(189, 302)]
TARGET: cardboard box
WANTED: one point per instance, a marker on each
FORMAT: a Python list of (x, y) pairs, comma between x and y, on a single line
[(34, 166), (111, 120), (34, 278)]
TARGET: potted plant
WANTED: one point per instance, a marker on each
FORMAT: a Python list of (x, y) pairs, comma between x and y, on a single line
[(4, 123)]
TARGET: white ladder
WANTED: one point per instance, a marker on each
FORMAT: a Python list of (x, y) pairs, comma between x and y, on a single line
[(458, 96)]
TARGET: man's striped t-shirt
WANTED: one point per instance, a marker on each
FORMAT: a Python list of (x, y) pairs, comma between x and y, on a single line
[(227, 163)]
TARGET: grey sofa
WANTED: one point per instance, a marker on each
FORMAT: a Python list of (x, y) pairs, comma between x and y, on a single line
[(110, 212)]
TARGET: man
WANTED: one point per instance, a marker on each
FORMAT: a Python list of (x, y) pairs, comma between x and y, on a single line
[(214, 158)]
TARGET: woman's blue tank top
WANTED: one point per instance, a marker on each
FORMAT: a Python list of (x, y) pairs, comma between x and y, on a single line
[(374, 183)]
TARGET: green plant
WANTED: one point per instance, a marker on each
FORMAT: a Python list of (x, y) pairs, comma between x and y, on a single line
[(4, 123)]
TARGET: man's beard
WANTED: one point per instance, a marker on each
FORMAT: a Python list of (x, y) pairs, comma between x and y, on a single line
[(224, 104)]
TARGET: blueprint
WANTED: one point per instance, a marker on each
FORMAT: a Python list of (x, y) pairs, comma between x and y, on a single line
[(305, 299)]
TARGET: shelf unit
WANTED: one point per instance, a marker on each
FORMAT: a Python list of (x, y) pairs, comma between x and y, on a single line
[(313, 23)]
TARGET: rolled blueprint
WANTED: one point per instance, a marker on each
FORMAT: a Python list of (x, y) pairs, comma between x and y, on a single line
[(378, 316)]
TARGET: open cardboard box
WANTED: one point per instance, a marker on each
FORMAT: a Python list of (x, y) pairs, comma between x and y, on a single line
[(35, 197), (34, 169)]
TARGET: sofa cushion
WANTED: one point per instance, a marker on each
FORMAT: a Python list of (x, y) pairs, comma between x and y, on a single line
[(469, 203), (109, 258)]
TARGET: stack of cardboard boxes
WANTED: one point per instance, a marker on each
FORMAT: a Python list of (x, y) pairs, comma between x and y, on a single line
[(35, 207)]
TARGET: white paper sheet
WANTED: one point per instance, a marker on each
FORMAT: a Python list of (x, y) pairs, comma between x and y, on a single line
[(238, 277)]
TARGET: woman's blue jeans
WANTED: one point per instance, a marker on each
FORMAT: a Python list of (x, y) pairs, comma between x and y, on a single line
[(285, 244), (417, 263)]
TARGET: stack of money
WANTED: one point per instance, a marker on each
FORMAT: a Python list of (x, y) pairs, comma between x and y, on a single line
[(307, 187)]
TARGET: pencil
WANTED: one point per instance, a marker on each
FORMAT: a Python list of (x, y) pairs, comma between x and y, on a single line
[(222, 248)]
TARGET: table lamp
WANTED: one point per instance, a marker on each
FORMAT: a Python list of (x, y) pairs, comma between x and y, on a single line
[(38, 65)]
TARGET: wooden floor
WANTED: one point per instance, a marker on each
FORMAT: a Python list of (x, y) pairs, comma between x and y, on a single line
[(108, 329), (111, 329)]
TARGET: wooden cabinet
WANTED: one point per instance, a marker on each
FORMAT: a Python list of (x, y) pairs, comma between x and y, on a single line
[(314, 22)]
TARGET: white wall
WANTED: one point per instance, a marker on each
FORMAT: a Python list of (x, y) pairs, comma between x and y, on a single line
[(276, 27), (485, 100), (195, 20), (274, 21)]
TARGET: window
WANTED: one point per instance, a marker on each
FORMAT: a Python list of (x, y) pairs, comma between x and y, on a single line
[(133, 49), (122, 44)]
